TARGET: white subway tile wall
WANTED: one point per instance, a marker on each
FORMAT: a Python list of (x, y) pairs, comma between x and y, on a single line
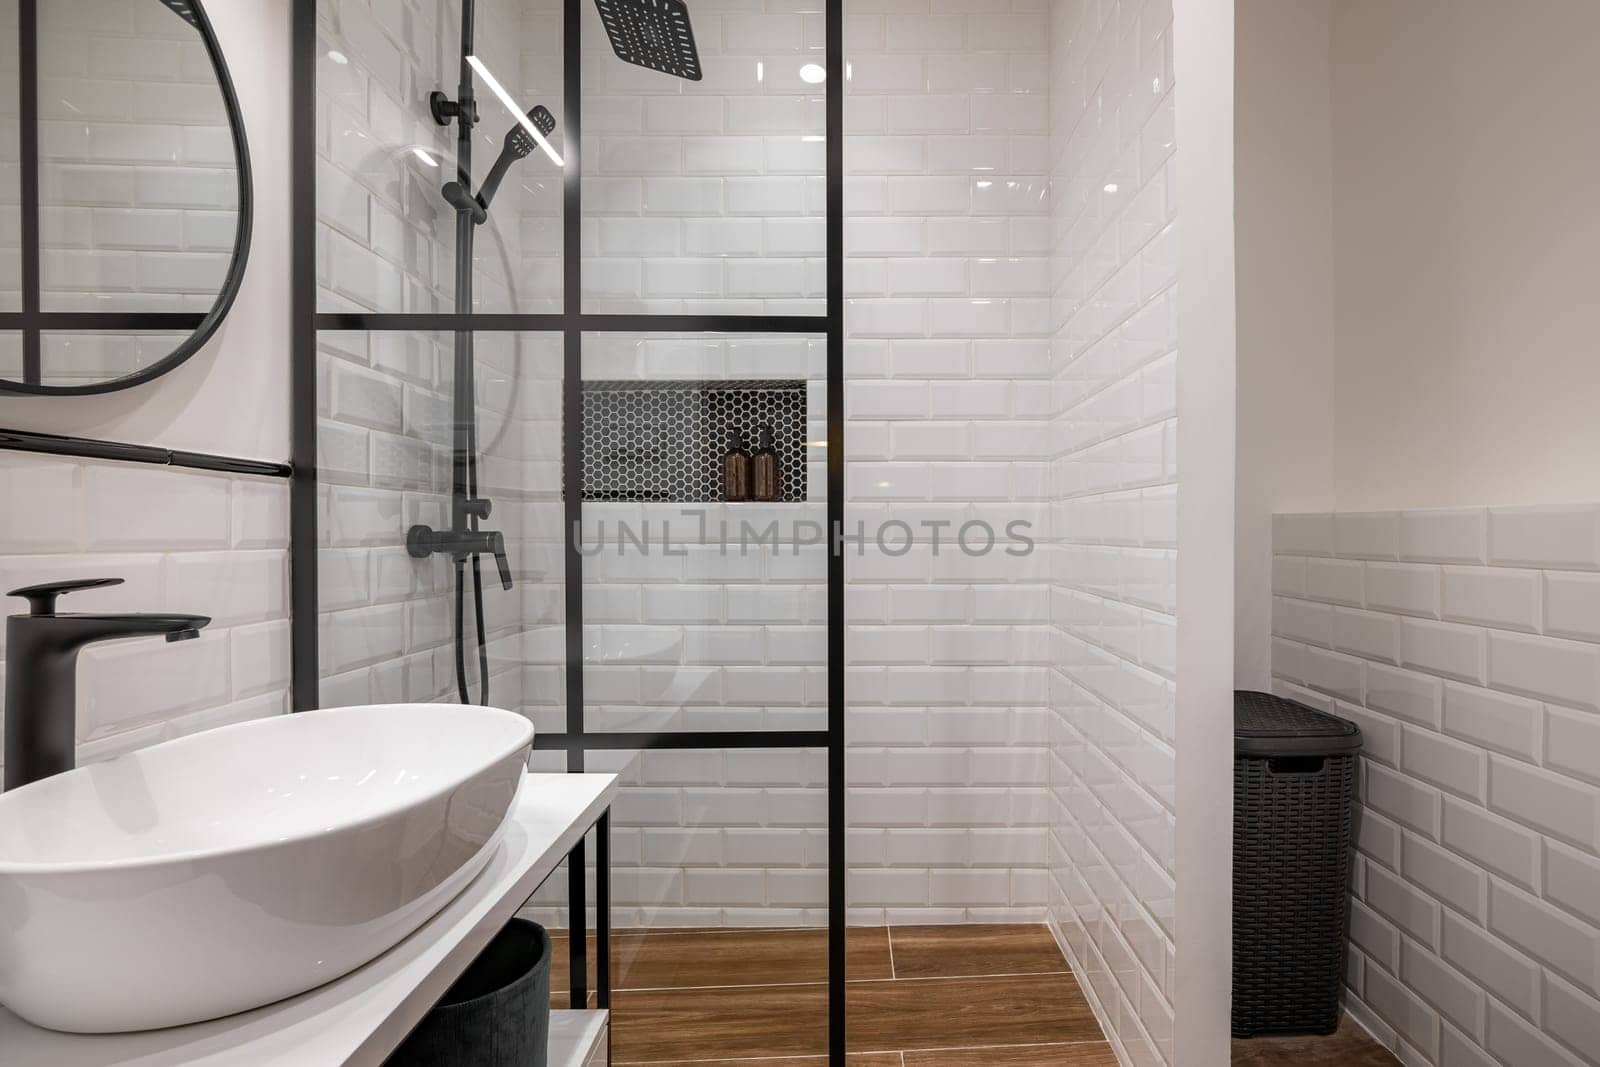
[(684, 634), (215, 545), (1476, 684), (386, 237), (1112, 448), (84, 357), (708, 196), (138, 185), (387, 243), (710, 838), (385, 434), (949, 400), (138, 189)]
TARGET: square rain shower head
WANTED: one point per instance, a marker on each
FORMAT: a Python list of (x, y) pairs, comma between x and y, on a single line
[(652, 33)]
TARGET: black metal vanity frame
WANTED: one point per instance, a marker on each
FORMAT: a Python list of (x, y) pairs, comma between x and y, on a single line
[(578, 933), (31, 320), (572, 323)]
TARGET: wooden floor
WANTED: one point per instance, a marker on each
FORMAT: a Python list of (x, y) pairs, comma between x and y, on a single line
[(1350, 1047), (918, 996)]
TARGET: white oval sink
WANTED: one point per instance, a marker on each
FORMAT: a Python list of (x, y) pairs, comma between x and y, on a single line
[(236, 867)]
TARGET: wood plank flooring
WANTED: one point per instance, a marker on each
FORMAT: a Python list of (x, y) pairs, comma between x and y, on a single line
[(919, 996), (1351, 1046), (937, 996)]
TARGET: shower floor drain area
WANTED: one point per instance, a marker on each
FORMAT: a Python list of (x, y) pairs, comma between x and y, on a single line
[(664, 440)]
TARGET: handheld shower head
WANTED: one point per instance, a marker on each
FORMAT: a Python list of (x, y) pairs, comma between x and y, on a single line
[(519, 144)]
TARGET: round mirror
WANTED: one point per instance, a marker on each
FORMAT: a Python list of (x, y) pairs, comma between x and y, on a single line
[(124, 192)]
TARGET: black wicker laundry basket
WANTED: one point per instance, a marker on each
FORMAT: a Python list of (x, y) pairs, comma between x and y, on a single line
[(1294, 773)]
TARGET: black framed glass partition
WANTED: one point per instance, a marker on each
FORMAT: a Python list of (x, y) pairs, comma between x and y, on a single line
[(540, 340)]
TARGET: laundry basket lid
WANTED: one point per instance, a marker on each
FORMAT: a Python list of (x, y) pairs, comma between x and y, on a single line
[(1266, 725)]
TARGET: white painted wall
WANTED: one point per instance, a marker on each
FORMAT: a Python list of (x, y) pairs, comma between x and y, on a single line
[(1412, 321), (1203, 37), (1283, 153), (1465, 240)]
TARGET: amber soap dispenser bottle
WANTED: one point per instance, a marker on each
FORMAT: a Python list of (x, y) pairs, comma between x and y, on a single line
[(764, 469), (736, 465)]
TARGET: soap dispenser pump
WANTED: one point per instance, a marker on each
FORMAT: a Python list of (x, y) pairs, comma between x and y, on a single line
[(764, 483), (736, 468)]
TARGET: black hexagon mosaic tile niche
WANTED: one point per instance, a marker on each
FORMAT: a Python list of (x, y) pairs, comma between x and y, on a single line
[(664, 441)]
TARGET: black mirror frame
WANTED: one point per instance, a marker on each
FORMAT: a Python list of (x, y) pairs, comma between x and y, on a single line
[(31, 321)]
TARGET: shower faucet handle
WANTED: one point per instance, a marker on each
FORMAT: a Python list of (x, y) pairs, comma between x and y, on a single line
[(425, 541), (497, 545)]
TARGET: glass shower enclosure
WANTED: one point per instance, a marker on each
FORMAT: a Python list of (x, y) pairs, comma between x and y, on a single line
[(526, 350)]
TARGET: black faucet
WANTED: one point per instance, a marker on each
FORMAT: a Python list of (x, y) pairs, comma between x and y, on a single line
[(461, 543), (42, 673)]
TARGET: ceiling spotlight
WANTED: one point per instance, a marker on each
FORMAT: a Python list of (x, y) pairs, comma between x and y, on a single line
[(812, 74)]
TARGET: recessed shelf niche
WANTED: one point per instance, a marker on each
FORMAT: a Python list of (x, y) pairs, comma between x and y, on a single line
[(663, 441)]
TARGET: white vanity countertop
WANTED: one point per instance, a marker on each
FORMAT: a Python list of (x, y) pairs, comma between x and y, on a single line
[(360, 1018)]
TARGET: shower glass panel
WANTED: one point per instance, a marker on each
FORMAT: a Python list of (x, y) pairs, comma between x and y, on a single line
[(700, 613), (709, 197), (699, 667), (719, 895), (386, 436), (389, 239)]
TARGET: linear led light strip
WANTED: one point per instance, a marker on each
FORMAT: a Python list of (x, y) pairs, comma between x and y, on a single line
[(511, 105)]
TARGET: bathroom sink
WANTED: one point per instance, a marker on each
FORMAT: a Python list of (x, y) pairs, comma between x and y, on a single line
[(232, 868)]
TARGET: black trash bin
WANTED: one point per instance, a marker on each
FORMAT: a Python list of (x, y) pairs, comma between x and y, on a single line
[(1294, 773), (497, 1014)]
